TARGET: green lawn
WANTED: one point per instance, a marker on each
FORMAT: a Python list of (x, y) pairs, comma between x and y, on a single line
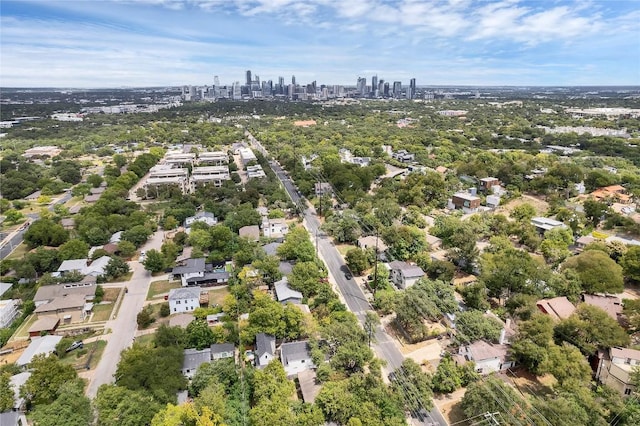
[(91, 353), (160, 287), (23, 330), (102, 312), (216, 297), (19, 252), (146, 340), (111, 294)]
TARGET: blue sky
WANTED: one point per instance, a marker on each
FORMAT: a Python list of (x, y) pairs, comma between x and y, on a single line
[(457, 42)]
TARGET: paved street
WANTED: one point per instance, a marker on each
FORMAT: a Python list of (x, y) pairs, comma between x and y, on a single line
[(354, 297), (123, 327)]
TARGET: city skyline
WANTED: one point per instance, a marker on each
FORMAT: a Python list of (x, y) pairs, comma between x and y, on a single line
[(175, 42)]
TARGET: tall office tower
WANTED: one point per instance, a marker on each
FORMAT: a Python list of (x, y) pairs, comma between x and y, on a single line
[(280, 85), (408, 93), (374, 84), (361, 86), (236, 91), (248, 77), (381, 87), (412, 85), (293, 80), (397, 89), (257, 80), (216, 81), (386, 89)]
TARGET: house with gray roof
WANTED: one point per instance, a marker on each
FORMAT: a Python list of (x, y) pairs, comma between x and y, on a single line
[(285, 294), (207, 218), (265, 349), (193, 359), (41, 345), (222, 351), (404, 274), (184, 299), (271, 249), (296, 357), (196, 272), (83, 266)]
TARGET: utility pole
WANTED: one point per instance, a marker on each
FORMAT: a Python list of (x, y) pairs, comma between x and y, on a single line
[(316, 242), (375, 267)]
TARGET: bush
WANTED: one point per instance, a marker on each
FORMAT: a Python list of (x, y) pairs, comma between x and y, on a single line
[(99, 294), (165, 311), (145, 317)]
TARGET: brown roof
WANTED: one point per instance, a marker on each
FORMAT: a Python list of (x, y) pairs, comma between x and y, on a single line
[(44, 324), (610, 304), (64, 302), (558, 307), (50, 292), (625, 353)]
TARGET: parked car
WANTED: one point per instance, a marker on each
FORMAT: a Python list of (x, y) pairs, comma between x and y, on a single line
[(348, 275), (75, 345)]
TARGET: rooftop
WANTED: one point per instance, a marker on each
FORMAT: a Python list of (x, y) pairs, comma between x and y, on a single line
[(185, 293), (558, 307), (284, 292), (294, 351), (265, 343), (40, 345)]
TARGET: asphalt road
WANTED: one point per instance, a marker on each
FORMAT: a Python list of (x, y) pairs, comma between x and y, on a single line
[(354, 296), (17, 237), (124, 326)]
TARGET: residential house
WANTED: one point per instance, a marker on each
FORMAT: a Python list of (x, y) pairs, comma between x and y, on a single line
[(487, 183), (544, 224), (275, 228), (265, 349), (488, 358), (46, 293), (615, 368), (207, 218), (194, 358), (584, 241), (8, 311), (184, 299), (464, 201), (68, 223), (41, 345), (4, 287), (370, 241), (404, 274), (222, 351), (215, 319), (83, 266), (68, 309), (285, 295), (43, 325), (492, 201), (558, 308), (403, 156), (612, 305), (251, 232), (195, 272), (612, 193), (323, 188), (16, 382), (296, 357), (255, 172)]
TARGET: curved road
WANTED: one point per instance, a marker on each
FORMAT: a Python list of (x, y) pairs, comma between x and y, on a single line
[(354, 296)]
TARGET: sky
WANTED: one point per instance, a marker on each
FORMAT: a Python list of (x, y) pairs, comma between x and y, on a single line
[(144, 43)]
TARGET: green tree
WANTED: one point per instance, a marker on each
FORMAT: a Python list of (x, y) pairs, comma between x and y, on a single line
[(73, 249), (357, 260), (116, 268), (71, 407), (447, 377), (117, 405), (126, 248), (154, 261), (493, 395), (532, 342), (170, 336), (45, 232), (523, 212), (597, 272), (297, 246), (631, 263), (414, 386), (170, 223), (590, 328), (200, 239), (371, 322), (138, 235), (475, 325), (94, 180), (199, 335), (48, 374), (145, 317), (594, 211), (6, 393), (13, 216), (566, 362), (405, 242)]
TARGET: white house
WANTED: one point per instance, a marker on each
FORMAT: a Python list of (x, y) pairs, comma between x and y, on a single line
[(41, 345), (193, 359), (274, 228), (488, 358), (265, 349), (8, 311), (615, 368), (404, 274), (184, 299), (222, 351), (204, 217), (296, 357)]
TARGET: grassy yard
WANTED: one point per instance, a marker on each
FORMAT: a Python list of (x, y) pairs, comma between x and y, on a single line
[(91, 354), (344, 248), (111, 294), (216, 297), (146, 340), (19, 252), (160, 287), (122, 278), (102, 312), (23, 330)]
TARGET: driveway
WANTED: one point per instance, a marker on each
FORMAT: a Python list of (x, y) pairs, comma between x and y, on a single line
[(124, 326)]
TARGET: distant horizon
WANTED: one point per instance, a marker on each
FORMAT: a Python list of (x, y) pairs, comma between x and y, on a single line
[(171, 43)]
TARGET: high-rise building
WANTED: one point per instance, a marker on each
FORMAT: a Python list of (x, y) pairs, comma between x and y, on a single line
[(236, 90), (248, 77), (361, 86), (381, 87), (293, 80), (386, 89), (374, 85), (216, 81), (412, 86), (280, 89), (397, 89)]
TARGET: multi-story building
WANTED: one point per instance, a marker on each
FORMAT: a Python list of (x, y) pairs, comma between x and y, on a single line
[(209, 175), (8, 312), (616, 367), (164, 175), (397, 89), (184, 299), (213, 158), (179, 159), (246, 155), (466, 202)]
